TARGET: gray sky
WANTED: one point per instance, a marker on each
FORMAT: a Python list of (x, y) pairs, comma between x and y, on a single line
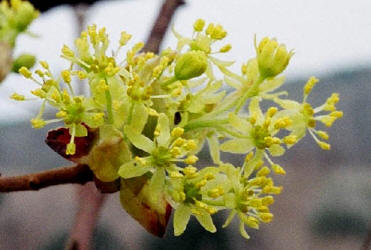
[(326, 35)]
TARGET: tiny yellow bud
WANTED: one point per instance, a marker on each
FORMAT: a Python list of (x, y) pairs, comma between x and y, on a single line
[(67, 52), (25, 72), (266, 217), (66, 75), (190, 65), (267, 200), (175, 174), (199, 25), (210, 29), (324, 145), (253, 118), (175, 151), (190, 171), (211, 210), (37, 123), (272, 111), (264, 171), (251, 222), (125, 37), (39, 93), (272, 190), (179, 142), (177, 132), (323, 135), (192, 159), (176, 92), (337, 114), (39, 73), (278, 169), (310, 84), (102, 85), (215, 192), (61, 114), (44, 64), (272, 57), (201, 183), (225, 48), (290, 139), (249, 156), (190, 145), (218, 32), (71, 148), (82, 75), (17, 97)]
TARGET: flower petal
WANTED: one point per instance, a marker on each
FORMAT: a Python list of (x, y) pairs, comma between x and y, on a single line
[(254, 109), (240, 124), (132, 169), (276, 150), (181, 217), (238, 146), (140, 117), (163, 125), (206, 221), (139, 140), (156, 188), (214, 148), (229, 218), (270, 85)]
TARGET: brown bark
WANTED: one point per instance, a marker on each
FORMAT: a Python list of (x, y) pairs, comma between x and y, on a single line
[(79, 174), (161, 25)]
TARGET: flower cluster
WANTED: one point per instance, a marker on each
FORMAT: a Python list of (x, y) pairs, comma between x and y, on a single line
[(153, 113), (15, 17)]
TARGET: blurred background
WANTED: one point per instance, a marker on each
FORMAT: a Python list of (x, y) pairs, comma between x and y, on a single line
[(326, 203)]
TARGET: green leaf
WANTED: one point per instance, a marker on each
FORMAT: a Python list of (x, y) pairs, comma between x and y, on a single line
[(181, 217), (206, 221), (238, 146)]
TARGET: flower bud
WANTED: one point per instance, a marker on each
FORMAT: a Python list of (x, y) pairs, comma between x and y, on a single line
[(272, 57), (26, 13), (24, 60), (190, 65)]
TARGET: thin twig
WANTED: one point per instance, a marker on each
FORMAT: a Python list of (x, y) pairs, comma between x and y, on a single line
[(90, 202), (79, 174), (161, 25)]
